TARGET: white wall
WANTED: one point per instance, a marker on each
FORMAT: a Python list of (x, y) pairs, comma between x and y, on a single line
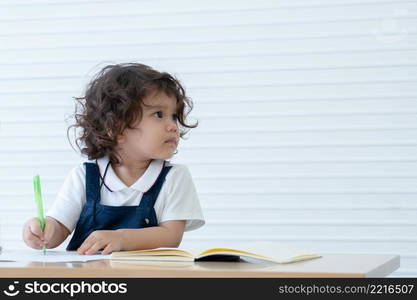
[(307, 110)]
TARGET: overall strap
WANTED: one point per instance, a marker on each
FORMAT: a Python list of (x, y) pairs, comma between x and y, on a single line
[(92, 183), (149, 198)]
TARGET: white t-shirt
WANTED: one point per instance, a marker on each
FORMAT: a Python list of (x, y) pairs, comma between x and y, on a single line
[(177, 199)]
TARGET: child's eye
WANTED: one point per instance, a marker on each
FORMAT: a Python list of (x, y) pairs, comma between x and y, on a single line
[(158, 114), (175, 117)]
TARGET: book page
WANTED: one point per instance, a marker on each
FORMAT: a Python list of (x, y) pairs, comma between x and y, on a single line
[(152, 252), (271, 250)]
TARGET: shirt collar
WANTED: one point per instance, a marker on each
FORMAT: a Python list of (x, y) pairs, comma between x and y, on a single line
[(143, 184)]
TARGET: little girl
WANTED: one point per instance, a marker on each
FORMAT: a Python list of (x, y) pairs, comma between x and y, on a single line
[(126, 196)]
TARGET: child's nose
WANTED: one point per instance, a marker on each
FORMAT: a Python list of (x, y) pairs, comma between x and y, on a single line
[(172, 126)]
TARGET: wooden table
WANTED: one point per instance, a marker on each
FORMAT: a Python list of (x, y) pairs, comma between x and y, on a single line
[(329, 265)]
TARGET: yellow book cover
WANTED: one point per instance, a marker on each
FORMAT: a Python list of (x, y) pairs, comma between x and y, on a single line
[(256, 251)]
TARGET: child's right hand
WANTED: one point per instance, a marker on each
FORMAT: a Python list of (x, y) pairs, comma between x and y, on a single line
[(33, 235)]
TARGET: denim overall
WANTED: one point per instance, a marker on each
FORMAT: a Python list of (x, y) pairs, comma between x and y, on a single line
[(96, 216)]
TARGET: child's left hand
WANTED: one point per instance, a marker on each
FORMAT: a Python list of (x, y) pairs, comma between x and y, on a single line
[(108, 240)]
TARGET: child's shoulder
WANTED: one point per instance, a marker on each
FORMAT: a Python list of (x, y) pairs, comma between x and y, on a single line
[(177, 169), (78, 169)]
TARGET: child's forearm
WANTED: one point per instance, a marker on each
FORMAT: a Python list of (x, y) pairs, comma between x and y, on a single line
[(60, 233), (148, 238)]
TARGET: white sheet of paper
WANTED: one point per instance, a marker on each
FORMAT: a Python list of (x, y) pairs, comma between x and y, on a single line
[(51, 256)]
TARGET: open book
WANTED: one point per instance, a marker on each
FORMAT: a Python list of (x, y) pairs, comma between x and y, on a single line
[(257, 251)]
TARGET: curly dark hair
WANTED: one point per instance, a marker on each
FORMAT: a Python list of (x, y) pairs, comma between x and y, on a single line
[(113, 102)]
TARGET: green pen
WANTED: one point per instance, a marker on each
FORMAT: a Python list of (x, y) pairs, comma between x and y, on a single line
[(39, 205)]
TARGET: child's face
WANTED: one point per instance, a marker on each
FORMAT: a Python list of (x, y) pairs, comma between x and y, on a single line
[(156, 135)]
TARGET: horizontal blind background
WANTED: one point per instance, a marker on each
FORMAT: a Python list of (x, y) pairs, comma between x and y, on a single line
[(307, 111)]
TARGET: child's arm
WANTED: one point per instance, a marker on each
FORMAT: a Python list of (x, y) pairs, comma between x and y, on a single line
[(53, 235), (56, 235), (167, 234)]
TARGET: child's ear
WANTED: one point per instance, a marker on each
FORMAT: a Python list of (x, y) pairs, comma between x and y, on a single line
[(120, 139)]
